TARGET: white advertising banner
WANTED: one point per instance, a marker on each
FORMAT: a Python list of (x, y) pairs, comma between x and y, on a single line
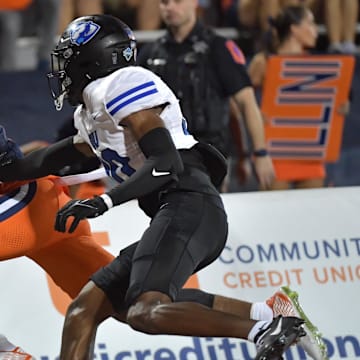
[(307, 239)]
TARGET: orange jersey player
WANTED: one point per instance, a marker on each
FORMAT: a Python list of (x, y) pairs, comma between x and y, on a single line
[(27, 215)]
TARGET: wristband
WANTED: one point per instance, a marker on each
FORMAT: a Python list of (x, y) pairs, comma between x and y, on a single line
[(107, 200), (260, 153)]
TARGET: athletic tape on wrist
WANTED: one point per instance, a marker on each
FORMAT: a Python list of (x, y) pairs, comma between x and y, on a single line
[(107, 200)]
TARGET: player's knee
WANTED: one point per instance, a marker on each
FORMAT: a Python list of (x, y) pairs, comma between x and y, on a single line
[(142, 317), (147, 315)]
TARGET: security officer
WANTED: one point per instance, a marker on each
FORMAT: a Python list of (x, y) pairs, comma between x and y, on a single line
[(205, 70)]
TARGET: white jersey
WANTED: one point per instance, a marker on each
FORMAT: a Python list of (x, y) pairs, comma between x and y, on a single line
[(109, 100)]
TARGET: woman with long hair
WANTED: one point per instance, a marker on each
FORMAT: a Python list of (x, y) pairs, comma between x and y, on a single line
[(293, 32)]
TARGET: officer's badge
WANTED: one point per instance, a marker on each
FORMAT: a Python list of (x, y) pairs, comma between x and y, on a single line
[(200, 47)]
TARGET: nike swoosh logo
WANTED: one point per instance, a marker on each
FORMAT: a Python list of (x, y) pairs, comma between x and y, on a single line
[(278, 328), (159, 173)]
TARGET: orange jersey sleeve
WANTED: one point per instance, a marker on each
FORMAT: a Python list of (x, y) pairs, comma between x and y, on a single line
[(27, 215)]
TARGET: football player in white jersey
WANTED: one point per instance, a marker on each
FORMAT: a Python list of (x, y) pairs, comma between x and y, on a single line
[(131, 120)]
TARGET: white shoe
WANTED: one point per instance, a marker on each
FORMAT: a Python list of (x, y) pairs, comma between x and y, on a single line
[(16, 354), (285, 302)]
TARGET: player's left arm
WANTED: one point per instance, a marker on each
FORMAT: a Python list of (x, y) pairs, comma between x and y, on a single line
[(163, 162), (162, 165)]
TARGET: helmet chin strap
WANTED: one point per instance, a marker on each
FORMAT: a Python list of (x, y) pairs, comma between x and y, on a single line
[(59, 101)]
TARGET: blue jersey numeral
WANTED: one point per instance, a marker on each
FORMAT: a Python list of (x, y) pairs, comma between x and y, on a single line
[(94, 140), (185, 127), (115, 164)]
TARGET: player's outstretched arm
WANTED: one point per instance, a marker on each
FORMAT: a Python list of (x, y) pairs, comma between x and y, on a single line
[(42, 162)]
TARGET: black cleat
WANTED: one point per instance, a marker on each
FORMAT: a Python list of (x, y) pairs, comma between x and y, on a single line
[(272, 342)]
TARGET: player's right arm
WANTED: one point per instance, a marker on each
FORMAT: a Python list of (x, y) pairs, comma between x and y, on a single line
[(46, 161)]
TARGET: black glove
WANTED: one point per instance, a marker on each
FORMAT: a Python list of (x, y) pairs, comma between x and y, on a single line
[(9, 150), (79, 209)]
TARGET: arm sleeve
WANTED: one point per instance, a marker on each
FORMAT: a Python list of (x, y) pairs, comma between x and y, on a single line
[(42, 162), (162, 165)]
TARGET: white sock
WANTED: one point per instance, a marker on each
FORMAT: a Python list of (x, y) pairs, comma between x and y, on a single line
[(256, 328), (5, 344), (261, 311)]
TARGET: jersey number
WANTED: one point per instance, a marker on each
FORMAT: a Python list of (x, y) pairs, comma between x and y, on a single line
[(185, 126), (115, 164)]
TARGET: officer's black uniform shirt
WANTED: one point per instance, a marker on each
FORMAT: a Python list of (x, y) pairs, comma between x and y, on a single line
[(225, 75)]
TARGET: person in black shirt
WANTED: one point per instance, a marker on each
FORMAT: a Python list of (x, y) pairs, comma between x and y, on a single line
[(205, 70)]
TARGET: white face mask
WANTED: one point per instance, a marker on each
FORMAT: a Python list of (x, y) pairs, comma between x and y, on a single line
[(59, 101), (61, 92)]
